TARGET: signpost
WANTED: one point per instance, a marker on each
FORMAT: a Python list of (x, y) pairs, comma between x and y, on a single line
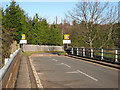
[(66, 39), (23, 36), (66, 36), (23, 41)]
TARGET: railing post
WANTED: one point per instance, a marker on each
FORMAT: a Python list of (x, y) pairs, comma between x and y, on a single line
[(77, 51), (72, 50), (101, 54), (6, 60), (91, 53), (116, 57), (83, 52)]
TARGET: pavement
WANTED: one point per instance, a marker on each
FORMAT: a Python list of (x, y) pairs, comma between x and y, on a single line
[(64, 72), (25, 78)]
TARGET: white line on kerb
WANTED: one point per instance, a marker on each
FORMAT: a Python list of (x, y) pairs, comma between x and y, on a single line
[(87, 75), (66, 65), (39, 84)]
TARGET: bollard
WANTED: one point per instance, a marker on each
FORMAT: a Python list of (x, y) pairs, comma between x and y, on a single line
[(77, 51), (91, 53), (116, 57), (83, 52), (72, 50), (101, 54)]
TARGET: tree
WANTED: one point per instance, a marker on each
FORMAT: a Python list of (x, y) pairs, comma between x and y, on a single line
[(116, 35), (78, 34), (14, 18), (55, 36), (1, 37), (93, 13)]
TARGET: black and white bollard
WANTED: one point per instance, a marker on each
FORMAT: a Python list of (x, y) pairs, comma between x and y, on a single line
[(83, 52), (77, 51), (91, 53), (116, 57), (72, 50), (101, 54)]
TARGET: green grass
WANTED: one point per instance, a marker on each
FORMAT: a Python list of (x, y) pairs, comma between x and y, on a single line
[(107, 55), (62, 53)]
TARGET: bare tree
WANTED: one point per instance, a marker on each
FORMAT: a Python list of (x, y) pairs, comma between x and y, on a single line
[(94, 13)]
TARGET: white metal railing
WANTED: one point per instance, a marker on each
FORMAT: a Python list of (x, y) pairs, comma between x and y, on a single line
[(112, 55), (6, 66)]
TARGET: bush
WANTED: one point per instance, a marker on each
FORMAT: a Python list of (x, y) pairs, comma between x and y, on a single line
[(62, 53)]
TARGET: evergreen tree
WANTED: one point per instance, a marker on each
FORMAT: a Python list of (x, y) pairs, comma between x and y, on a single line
[(14, 18), (55, 36)]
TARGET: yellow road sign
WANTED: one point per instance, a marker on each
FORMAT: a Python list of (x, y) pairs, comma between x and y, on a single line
[(23, 36), (66, 36)]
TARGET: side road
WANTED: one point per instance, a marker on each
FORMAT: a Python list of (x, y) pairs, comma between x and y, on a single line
[(25, 77)]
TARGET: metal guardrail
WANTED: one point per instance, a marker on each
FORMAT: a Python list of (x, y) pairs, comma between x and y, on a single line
[(8, 72), (108, 55)]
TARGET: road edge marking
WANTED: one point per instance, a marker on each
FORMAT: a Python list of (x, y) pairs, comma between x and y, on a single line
[(38, 82), (94, 63)]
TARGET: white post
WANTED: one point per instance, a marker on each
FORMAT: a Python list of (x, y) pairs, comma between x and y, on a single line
[(101, 54), (116, 57), (77, 52), (6, 60), (72, 50), (83, 52), (11, 55), (91, 53)]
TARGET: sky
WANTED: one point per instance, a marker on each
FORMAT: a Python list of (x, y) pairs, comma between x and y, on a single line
[(48, 9)]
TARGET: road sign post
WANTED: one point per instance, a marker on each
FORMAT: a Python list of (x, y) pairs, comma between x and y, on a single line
[(66, 40), (22, 41)]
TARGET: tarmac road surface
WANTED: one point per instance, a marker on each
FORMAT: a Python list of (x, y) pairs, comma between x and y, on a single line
[(65, 72)]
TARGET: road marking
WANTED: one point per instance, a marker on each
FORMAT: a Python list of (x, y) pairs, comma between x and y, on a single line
[(73, 72), (87, 75), (94, 63), (54, 60), (39, 84), (40, 73), (66, 65), (9, 80)]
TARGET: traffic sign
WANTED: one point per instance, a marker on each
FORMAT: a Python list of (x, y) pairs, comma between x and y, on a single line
[(23, 41), (23, 36), (66, 36), (66, 41)]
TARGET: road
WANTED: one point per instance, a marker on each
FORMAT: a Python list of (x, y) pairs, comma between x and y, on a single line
[(66, 72)]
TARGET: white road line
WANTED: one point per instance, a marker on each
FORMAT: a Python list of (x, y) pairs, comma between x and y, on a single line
[(54, 60), (73, 72), (87, 75), (40, 73), (39, 84), (9, 80), (66, 65)]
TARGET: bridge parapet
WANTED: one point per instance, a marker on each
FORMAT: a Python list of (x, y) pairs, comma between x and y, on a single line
[(28, 47), (107, 55), (8, 72)]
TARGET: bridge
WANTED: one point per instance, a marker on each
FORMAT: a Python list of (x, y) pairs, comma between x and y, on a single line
[(41, 67)]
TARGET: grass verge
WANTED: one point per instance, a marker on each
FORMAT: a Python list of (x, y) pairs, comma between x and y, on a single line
[(33, 52)]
